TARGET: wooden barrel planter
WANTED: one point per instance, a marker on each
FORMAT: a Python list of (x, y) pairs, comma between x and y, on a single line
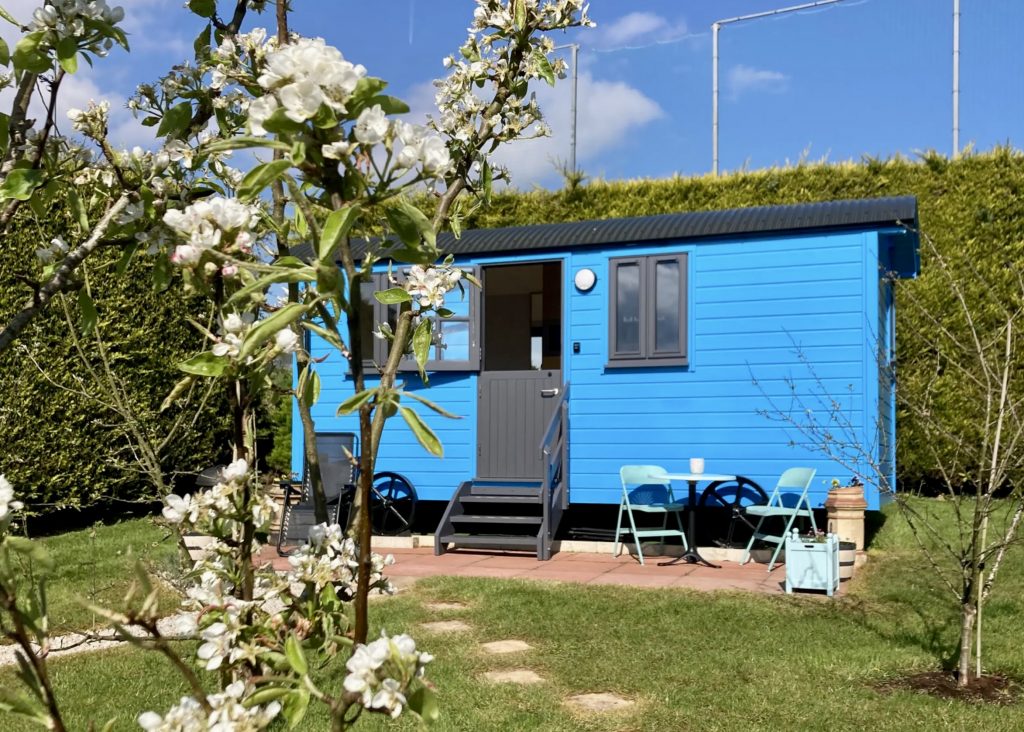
[(847, 558)]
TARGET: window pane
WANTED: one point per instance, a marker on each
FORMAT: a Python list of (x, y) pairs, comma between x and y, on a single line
[(627, 308), (366, 321), (458, 302), (666, 306), (455, 336)]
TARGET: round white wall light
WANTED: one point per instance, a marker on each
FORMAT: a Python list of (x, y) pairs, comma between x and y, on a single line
[(585, 280)]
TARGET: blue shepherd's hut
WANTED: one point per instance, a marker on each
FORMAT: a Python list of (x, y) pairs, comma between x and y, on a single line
[(650, 340)]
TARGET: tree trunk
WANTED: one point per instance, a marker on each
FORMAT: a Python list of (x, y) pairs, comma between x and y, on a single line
[(968, 612)]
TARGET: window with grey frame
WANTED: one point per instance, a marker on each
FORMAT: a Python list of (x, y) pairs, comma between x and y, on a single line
[(456, 345), (647, 311)]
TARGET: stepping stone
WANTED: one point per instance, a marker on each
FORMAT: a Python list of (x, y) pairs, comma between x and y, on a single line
[(602, 702), (443, 606), (506, 646), (446, 626), (513, 676)]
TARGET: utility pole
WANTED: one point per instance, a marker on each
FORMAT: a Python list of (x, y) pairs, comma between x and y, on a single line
[(715, 27), (956, 78), (575, 47)]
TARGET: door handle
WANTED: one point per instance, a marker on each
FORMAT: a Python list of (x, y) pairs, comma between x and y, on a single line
[(549, 392)]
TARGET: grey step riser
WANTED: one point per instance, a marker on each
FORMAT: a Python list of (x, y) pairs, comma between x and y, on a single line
[(492, 519)]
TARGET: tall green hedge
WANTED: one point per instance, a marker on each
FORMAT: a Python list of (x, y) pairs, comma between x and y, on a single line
[(60, 447), (973, 209)]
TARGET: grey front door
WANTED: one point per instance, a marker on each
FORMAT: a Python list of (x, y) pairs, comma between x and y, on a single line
[(514, 410)]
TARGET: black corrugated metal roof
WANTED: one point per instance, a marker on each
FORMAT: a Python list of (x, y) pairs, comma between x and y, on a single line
[(858, 213)]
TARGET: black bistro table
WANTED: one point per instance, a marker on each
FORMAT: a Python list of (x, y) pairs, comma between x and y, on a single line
[(691, 554)]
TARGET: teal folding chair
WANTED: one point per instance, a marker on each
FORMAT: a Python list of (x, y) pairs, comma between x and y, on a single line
[(646, 489), (788, 500)]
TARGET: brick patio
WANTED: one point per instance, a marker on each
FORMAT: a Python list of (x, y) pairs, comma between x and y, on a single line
[(584, 568)]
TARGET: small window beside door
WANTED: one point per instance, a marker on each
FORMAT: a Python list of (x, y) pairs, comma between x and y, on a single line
[(647, 311), (455, 347)]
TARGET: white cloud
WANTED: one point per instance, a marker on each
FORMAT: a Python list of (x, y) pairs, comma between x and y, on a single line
[(87, 83), (637, 28), (742, 79), (608, 114)]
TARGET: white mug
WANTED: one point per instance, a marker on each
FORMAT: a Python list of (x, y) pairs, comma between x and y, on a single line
[(696, 465)]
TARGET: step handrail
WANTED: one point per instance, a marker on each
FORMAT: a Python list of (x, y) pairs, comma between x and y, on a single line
[(554, 452)]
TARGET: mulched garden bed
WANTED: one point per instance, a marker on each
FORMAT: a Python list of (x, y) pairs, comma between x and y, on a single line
[(991, 689)]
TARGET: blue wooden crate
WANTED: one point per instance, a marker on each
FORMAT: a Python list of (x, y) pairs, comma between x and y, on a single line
[(812, 564)]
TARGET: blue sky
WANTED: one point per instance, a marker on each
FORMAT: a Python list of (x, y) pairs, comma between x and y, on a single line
[(863, 77)]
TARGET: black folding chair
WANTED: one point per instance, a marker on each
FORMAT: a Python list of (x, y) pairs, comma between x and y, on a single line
[(335, 451)]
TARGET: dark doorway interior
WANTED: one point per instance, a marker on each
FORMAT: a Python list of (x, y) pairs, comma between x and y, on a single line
[(522, 317)]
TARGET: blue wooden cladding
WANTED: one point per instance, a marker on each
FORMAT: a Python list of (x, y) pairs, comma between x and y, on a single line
[(783, 325)]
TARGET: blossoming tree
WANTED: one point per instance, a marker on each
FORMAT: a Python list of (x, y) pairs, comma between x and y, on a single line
[(336, 163)]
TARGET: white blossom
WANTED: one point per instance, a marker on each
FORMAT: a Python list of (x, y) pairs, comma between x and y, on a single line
[(210, 223), (287, 340), (91, 121), (236, 472), (7, 502), (228, 714), (178, 508), (372, 125)]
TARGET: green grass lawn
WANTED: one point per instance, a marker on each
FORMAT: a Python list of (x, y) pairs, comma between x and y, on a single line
[(96, 566), (689, 661)]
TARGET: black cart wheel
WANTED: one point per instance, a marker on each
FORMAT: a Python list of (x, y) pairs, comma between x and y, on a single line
[(735, 495), (392, 504)]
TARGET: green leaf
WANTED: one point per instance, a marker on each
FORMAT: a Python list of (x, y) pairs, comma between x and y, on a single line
[(366, 89), (33, 550), (329, 336), (296, 659), (306, 274), (87, 311), (544, 67), (410, 224), (280, 123), (204, 364), (8, 17), (161, 273), (240, 143), (311, 392), (268, 326), (431, 405), (338, 224), (20, 184), (175, 121), (257, 179), (421, 345), (393, 296), (28, 57), (423, 703), (265, 695), (14, 702), (78, 208), (203, 8), (355, 401), (126, 258), (5, 53), (201, 45), (294, 707), (488, 182), (423, 433), (67, 54), (519, 13), (180, 388), (389, 104)]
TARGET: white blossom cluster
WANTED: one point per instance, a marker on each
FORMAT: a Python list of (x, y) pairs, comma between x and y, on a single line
[(420, 149), (379, 671), (60, 19), (7, 502), (214, 223), (485, 63), (428, 285), (218, 508), (331, 558), (302, 77), (228, 714), (56, 249), (91, 121)]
